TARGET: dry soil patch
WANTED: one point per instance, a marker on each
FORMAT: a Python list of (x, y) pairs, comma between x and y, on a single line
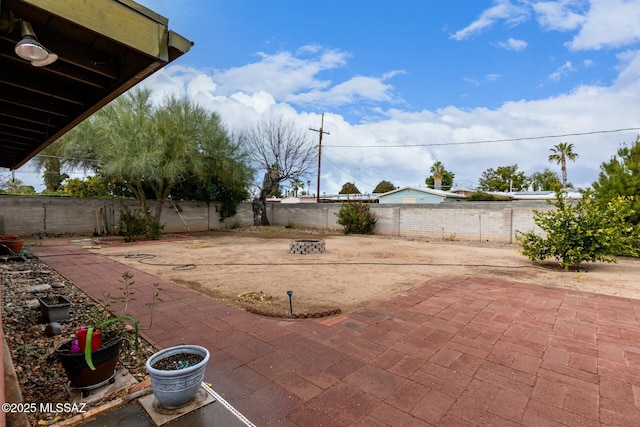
[(257, 269)]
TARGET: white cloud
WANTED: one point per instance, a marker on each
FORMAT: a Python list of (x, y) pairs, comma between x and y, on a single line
[(585, 108), (609, 23), (502, 10), (513, 44), (358, 88), (489, 78), (600, 23), (282, 73), (562, 71), (561, 15)]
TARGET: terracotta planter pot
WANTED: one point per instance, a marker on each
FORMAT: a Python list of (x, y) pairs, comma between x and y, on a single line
[(10, 242)]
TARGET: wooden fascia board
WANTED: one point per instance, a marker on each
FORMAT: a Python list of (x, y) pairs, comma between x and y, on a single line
[(114, 20)]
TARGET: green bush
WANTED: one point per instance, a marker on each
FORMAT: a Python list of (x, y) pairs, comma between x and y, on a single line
[(582, 231), (356, 218), (136, 225)]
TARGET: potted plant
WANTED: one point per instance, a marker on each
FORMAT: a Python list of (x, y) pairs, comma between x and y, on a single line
[(54, 308), (176, 374), (90, 359), (10, 244)]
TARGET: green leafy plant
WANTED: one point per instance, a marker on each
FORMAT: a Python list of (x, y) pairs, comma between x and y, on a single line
[(88, 347), (356, 218), (581, 231), (135, 225), (116, 327)]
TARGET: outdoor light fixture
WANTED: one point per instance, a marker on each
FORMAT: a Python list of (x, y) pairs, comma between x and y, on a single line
[(30, 49), (50, 59)]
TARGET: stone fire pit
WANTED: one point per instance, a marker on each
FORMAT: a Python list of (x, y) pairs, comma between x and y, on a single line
[(305, 247)]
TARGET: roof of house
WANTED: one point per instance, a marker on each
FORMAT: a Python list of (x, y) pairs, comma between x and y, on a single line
[(98, 50), (440, 193)]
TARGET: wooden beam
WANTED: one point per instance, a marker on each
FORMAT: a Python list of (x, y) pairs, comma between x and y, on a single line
[(114, 20)]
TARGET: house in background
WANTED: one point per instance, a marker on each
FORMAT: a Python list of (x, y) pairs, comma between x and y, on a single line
[(419, 195)]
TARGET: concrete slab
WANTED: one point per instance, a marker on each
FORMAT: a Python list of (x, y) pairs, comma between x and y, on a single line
[(162, 416), (455, 350)]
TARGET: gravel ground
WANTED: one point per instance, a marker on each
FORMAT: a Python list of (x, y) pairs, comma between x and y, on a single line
[(41, 376)]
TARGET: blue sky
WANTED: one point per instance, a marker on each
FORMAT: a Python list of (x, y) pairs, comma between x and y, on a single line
[(394, 77)]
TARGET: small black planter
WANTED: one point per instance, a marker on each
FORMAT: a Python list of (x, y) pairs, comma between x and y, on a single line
[(54, 308), (81, 377)]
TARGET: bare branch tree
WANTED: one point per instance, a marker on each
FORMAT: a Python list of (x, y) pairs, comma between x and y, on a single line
[(283, 151)]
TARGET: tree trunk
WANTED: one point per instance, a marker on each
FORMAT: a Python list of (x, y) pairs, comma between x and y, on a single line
[(259, 212), (138, 192)]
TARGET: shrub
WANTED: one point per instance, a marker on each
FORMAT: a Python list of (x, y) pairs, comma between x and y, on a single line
[(582, 231), (356, 218), (136, 225)]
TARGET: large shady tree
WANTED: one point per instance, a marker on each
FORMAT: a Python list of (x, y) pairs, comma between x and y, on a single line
[(503, 178), (283, 151), (151, 150)]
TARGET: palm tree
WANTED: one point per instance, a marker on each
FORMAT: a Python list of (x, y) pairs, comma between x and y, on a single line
[(559, 154), (437, 171)]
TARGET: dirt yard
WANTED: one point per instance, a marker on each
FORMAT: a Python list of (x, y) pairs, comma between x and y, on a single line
[(255, 268)]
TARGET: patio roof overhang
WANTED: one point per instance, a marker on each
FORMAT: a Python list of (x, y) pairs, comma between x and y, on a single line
[(104, 48)]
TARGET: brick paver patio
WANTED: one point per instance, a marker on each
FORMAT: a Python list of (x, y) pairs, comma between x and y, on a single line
[(460, 351)]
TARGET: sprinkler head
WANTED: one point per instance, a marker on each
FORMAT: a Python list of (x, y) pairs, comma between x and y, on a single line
[(290, 302)]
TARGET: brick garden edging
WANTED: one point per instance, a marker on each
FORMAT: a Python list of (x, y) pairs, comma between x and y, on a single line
[(317, 315)]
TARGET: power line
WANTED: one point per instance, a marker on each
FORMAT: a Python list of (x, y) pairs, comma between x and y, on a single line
[(347, 173), (377, 172), (530, 138)]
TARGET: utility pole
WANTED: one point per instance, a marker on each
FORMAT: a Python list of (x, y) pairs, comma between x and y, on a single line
[(320, 132)]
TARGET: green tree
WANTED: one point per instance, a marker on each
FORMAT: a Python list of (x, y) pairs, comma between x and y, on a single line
[(440, 178), (154, 149), (349, 188), (15, 186), (91, 186), (283, 151), (296, 184), (212, 189), (504, 178), (383, 187), (53, 176), (546, 180), (620, 176), (51, 161), (560, 153), (581, 231)]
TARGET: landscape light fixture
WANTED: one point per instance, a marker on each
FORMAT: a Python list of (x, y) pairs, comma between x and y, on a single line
[(30, 49)]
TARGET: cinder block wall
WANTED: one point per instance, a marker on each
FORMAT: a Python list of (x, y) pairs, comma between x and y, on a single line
[(489, 221), (61, 215)]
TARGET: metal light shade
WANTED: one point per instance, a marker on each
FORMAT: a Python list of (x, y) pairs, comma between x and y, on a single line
[(48, 60), (29, 47)]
